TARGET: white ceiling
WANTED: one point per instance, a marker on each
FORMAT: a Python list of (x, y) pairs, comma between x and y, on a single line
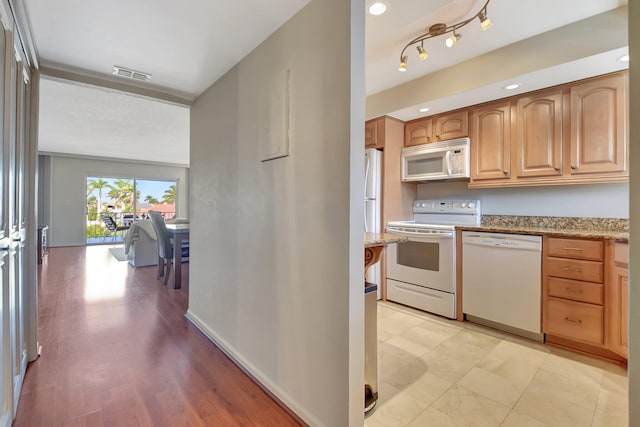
[(91, 121), (187, 46)]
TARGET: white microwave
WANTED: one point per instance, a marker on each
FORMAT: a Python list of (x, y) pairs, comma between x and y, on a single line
[(438, 160)]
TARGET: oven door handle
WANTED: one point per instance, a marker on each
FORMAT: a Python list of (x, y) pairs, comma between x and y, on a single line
[(438, 235)]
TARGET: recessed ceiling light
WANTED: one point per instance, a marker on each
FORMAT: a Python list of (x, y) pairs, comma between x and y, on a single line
[(378, 8), (423, 110), (624, 58), (512, 86)]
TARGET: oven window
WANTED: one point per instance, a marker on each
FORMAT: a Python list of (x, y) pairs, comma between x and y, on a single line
[(422, 255), (429, 165)]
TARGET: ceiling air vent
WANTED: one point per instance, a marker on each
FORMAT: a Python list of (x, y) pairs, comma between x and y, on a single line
[(131, 74)]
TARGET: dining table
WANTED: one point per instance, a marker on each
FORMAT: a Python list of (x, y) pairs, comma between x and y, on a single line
[(179, 233)]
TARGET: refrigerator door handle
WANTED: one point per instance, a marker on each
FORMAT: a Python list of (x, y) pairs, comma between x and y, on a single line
[(367, 171)]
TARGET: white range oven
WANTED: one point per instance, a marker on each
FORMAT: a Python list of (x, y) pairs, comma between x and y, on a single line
[(421, 272)]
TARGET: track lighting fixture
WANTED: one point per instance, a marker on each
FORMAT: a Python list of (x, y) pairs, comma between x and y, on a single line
[(440, 29)]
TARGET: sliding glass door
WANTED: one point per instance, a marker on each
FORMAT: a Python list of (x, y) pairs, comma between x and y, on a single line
[(113, 204)]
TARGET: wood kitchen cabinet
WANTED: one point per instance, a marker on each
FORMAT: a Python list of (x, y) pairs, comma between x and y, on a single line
[(569, 134), (573, 279), (451, 125), (374, 131), (418, 132), (576, 292), (518, 137), (538, 134), (441, 127), (618, 297), (599, 124), (491, 141)]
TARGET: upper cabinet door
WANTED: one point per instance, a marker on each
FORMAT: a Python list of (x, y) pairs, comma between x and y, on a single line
[(370, 134), (418, 132), (374, 133), (451, 125), (538, 136), (491, 141), (599, 120)]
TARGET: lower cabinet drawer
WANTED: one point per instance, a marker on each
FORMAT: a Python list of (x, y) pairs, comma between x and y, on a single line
[(576, 290), (575, 320), (576, 248), (590, 271)]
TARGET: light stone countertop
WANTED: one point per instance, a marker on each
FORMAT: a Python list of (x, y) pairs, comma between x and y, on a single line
[(588, 228), (382, 239), (622, 236)]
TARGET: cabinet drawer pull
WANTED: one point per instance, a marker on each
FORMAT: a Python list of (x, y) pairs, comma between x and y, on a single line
[(574, 167), (575, 270), (573, 249), (506, 172), (575, 291), (572, 320)]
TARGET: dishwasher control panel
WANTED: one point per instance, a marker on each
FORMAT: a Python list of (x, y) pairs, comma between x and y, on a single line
[(514, 241)]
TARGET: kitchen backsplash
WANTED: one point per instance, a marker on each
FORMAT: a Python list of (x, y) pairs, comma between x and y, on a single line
[(591, 201)]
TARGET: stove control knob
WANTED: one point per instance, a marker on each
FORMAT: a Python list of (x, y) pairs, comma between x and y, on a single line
[(463, 205), (472, 205)]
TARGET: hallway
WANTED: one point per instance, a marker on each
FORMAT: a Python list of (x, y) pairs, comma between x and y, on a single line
[(117, 350)]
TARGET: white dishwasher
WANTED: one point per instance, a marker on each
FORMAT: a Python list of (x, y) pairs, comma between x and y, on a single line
[(501, 281)]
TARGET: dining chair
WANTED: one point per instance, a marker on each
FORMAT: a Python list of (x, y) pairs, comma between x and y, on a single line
[(165, 248), (113, 227)]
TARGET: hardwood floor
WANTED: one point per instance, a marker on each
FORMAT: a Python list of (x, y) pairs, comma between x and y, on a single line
[(118, 351)]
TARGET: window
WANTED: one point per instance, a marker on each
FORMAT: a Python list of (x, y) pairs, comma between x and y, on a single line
[(124, 200)]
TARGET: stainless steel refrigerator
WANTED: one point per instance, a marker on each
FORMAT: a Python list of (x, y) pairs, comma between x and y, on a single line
[(372, 204)]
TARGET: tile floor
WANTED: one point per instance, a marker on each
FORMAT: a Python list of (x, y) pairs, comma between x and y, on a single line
[(438, 372)]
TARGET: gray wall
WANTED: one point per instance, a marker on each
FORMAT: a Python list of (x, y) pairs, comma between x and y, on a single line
[(63, 182), (594, 200), (277, 261)]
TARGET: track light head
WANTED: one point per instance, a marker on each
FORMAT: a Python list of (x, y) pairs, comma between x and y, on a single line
[(452, 39), (485, 21), (403, 64), (422, 54)]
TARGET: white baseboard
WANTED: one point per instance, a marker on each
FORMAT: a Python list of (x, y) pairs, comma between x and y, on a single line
[(256, 373)]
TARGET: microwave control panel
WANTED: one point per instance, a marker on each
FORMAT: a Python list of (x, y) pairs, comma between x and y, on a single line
[(458, 161)]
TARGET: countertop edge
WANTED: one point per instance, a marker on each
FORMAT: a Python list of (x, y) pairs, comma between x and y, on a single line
[(621, 236), (382, 239)]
